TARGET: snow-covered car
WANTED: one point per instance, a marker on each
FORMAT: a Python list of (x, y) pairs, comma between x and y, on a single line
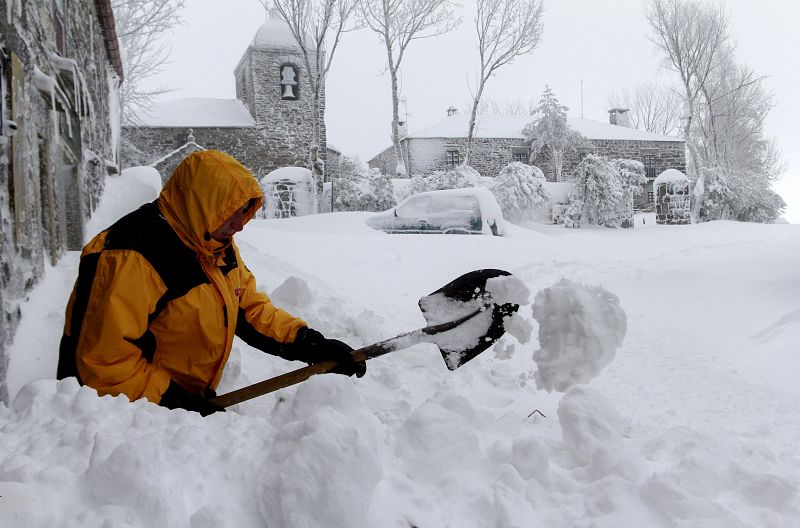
[(472, 211)]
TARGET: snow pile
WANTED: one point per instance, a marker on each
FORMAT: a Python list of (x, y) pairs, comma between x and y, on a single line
[(508, 289), (323, 465), (438, 308), (580, 328), (592, 430), (123, 194)]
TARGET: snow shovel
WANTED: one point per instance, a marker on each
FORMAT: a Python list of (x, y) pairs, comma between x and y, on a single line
[(462, 320)]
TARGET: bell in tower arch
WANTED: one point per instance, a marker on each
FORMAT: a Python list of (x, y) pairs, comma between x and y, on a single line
[(289, 82)]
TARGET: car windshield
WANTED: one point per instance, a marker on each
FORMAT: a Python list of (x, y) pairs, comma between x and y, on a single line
[(426, 205)]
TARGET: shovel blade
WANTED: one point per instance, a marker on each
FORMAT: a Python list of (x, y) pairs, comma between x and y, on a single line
[(462, 296)]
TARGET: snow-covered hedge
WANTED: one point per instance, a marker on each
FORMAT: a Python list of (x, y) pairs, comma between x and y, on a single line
[(362, 189), (519, 189), (460, 177), (604, 191)]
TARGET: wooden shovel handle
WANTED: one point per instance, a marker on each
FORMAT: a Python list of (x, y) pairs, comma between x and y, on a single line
[(279, 382), (408, 339)]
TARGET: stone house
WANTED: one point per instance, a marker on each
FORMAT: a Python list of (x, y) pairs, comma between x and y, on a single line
[(267, 126), (499, 140), (60, 72)]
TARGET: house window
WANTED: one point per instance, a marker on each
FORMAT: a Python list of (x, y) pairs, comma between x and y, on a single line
[(452, 158), (582, 153), (650, 166), (520, 155)]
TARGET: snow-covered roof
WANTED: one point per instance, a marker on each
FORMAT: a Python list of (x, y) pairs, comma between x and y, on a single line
[(274, 33), (671, 176), (505, 126), (196, 112)]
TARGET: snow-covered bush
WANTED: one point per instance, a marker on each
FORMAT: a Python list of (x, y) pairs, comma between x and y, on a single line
[(414, 185), (459, 177), (361, 189), (572, 214), (740, 194), (632, 179), (713, 194), (518, 189), (756, 203), (598, 186)]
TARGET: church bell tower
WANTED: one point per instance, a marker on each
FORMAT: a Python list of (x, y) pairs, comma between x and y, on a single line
[(273, 83)]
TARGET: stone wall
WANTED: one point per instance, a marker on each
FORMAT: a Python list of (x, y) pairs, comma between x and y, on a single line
[(148, 145), (53, 170), (426, 155), (490, 155)]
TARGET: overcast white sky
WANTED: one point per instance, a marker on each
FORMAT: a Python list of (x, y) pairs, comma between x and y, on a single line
[(603, 44)]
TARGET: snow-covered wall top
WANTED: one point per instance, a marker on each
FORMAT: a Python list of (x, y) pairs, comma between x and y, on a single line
[(196, 112), (504, 126), (295, 174), (671, 176)]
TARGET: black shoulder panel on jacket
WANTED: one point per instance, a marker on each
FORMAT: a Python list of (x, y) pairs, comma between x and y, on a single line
[(67, 365), (149, 234), (247, 333)]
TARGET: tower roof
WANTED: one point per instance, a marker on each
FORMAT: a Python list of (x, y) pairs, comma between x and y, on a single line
[(274, 34)]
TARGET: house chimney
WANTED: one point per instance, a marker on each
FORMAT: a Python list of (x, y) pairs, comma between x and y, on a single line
[(619, 117), (452, 111)]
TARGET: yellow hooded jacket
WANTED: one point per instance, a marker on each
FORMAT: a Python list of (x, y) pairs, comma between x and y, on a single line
[(157, 299)]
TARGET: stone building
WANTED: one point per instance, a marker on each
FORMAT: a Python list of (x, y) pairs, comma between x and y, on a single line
[(60, 72), (499, 140), (267, 126)]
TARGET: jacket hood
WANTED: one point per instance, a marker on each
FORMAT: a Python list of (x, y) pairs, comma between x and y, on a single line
[(205, 190)]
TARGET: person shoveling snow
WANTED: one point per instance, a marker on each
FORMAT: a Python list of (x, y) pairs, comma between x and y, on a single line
[(161, 293)]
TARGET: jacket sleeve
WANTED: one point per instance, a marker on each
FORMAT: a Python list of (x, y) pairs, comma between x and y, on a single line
[(260, 324), (124, 292)]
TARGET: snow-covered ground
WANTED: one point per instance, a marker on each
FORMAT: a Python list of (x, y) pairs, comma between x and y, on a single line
[(693, 421)]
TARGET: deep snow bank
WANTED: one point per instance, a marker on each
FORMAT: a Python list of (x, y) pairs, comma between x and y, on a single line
[(320, 457)]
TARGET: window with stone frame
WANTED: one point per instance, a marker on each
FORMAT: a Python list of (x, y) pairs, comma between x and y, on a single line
[(520, 154), (59, 7), (452, 158), (649, 161)]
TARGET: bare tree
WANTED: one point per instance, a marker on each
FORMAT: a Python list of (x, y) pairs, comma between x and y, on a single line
[(691, 34), (141, 26), (653, 107), (505, 29), (726, 105), (515, 106), (398, 23), (317, 26)]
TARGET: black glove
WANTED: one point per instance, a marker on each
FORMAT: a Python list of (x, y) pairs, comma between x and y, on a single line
[(176, 397), (312, 347)]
